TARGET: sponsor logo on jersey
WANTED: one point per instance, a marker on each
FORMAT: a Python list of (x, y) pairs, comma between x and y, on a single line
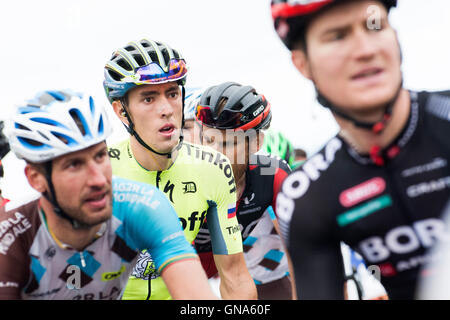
[(404, 240), (364, 210), (189, 187), (107, 276), (114, 153), (247, 200), (193, 219), (428, 187), (437, 163), (234, 229), (217, 159), (168, 188), (50, 252), (361, 192), (10, 229)]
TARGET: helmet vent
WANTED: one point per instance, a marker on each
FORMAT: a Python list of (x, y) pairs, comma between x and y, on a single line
[(79, 121), (166, 56), (153, 56), (116, 76), (124, 64), (30, 142), (139, 59)]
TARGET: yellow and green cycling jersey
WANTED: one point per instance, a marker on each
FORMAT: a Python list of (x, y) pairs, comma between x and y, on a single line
[(200, 185)]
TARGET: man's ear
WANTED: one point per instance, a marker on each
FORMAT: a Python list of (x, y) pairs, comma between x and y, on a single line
[(119, 111), (300, 61), (36, 178)]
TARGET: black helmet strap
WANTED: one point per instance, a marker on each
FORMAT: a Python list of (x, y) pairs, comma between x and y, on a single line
[(131, 131), (50, 195), (377, 126)]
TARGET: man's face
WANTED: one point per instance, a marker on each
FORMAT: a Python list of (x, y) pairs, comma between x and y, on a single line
[(352, 56), (82, 182), (156, 111), (236, 145), (229, 142)]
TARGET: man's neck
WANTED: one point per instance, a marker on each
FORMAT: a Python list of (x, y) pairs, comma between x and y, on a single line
[(150, 160), (363, 140), (62, 229)]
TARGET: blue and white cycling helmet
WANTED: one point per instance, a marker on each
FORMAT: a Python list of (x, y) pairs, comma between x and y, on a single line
[(191, 100), (55, 123)]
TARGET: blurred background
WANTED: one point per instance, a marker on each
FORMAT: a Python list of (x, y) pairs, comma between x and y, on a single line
[(51, 44)]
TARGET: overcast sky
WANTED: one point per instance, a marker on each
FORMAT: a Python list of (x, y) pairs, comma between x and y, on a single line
[(53, 44)]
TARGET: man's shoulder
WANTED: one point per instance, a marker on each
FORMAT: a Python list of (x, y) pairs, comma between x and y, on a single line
[(436, 103), (27, 208), (18, 227)]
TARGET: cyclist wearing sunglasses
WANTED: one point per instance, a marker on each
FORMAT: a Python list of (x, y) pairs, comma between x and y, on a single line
[(382, 182), (144, 82), (232, 118)]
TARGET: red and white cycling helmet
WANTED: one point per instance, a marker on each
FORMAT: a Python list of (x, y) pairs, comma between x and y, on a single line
[(290, 17)]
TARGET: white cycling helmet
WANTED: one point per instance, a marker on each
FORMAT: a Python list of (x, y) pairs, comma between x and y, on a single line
[(55, 123), (191, 99)]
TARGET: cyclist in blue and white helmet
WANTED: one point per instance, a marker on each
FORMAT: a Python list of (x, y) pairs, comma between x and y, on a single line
[(53, 124), (191, 100)]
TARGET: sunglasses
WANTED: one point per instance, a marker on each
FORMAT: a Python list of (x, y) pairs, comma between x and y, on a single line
[(230, 119), (154, 73)]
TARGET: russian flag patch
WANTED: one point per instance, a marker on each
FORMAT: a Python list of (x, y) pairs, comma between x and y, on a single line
[(231, 210)]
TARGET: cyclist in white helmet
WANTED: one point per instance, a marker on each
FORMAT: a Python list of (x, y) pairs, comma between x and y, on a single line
[(82, 237)]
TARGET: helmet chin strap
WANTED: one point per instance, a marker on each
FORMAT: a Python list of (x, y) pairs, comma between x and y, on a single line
[(377, 154), (131, 131), (376, 127), (50, 195)]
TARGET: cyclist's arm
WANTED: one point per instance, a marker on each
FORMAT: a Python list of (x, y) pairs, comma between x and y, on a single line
[(187, 280), (151, 223), (226, 240), (235, 280)]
